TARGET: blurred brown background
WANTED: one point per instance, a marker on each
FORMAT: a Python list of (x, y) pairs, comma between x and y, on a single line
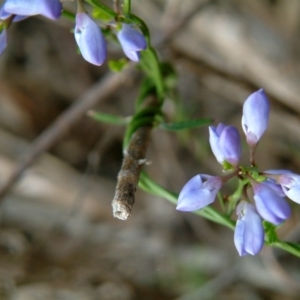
[(58, 239)]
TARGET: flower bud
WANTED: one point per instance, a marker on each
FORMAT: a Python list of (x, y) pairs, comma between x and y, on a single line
[(89, 39), (269, 204), (255, 116), (249, 231), (132, 41), (225, 143), (197, 193), (289, 181), (49, 8)]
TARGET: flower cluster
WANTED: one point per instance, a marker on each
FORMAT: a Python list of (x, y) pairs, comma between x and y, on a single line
[(92, 44), (88, 35), (269, 188)]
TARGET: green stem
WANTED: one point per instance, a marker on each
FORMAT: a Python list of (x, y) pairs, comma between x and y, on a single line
[(102, 7), (127, 7), (151, 66), (292, 248), (221, 201), (68, 15), (236, 196)]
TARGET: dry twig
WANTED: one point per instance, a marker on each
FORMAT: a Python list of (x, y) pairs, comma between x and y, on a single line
[(133, 161), (128, 177), (65, 122)]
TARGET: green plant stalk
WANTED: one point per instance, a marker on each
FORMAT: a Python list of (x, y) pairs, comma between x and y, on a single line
[(150, 65), (221, 201), (236, 196), (68, 15), (127, 7), (292, 248), (102, 7)]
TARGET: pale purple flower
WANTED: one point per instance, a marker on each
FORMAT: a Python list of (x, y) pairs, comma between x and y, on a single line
[(269, 204), (90, 39), (225, 143), (4, 15), (49, 8), (199, 192), (255, 116), (249, 231), (3, 40), (289, 181), (132, 42)]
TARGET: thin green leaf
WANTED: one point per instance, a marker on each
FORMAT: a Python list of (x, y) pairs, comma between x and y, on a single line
[(149, 63), (147, 87), (107, 118)]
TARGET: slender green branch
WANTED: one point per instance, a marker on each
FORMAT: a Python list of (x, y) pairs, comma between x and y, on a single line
[(102, 7), (292, 248), (236, 196), (68, 15), (127, 7)]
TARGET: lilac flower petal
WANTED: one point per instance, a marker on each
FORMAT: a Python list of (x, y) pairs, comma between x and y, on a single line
[(89, 39), (220, 128), (131, 39), (132, 55), (21, 7), (293, 193), (49, 8), (255, 116), (270, 206), (225, 143), (194, 183), (4, 15), (249, 232), (289, 180), (194, 200), (277, 172), (214, 136), (18, 18), (239, 237), (230, 144), (271, 183), (3, 40), (197, 194)]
